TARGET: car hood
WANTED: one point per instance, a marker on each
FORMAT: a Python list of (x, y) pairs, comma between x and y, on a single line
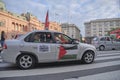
[(86, 45)]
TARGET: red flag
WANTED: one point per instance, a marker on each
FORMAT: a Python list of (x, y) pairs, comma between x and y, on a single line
[(47, 21), (62, 52)]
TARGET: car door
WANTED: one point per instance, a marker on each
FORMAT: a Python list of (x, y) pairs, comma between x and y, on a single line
[(43, 47), (117, 44), (109, 43), (67, 48)]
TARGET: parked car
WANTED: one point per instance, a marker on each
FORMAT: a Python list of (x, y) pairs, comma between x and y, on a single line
[(46, 46), (105, 43)]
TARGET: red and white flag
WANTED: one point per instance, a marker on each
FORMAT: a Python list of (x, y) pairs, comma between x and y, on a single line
[(47, 21), (62, 52)]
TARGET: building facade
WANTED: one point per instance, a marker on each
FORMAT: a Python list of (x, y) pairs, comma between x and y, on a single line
[(54, 26), (14, 24), (100, 27), (71, 30)]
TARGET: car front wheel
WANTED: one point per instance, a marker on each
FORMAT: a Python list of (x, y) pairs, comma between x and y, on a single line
[(88, 57), (25, 61)]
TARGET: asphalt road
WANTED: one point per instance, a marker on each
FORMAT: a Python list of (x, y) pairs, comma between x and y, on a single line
[(105, 67)]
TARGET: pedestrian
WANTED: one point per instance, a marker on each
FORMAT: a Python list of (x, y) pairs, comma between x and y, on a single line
[(12, 36), (3, 36)]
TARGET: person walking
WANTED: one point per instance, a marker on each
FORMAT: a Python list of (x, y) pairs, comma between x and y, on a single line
[(2, 38)]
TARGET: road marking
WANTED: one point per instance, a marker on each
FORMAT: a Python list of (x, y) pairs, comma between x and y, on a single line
[(111, 54), (1, 60), (105, 58), (31, 72), (114, 75), (107, 52)]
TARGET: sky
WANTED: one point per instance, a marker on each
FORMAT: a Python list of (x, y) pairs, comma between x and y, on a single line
[(67, 11)]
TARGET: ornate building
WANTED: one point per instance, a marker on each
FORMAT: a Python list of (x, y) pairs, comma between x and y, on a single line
[(54, 26), (14, 24)]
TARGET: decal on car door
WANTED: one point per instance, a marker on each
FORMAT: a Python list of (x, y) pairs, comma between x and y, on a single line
[(67, 52), (43, 48)]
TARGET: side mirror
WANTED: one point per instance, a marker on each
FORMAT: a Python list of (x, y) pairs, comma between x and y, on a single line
[(75, 41)]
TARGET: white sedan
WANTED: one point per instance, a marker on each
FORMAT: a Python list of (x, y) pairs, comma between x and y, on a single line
[(46, 46)]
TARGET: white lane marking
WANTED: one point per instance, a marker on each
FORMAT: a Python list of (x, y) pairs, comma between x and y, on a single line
[(1, 60), (107, 52), (114, 75), (111, 54), (105, 58), (6, 65), (16, 73)]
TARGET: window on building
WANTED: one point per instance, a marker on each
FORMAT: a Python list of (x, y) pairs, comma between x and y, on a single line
[(23, 28), (100, 24), (105, 29), (94, 24), (117, 23), (107, 23), (111, 23), (94, 29), (100, 29)]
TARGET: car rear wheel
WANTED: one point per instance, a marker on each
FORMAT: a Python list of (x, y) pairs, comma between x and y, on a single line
[(102, 48), (25, 61), (88, 57)]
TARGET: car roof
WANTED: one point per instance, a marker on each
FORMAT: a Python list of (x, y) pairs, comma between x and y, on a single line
[(45, 31), (38, 31)]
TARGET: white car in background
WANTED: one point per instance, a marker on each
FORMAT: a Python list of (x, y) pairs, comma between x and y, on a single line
[(46, 46), (105, 43)]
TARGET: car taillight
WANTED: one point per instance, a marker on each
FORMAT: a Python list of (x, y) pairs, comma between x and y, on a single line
[(4, 46)]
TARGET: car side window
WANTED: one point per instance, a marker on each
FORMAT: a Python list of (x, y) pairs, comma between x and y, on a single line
[(103, 39), (36, 38), (39, 37), (47, 38), (61, 38), (28, 38), (107, 39)]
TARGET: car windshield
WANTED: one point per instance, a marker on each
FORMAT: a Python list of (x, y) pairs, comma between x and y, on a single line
[(95, 39)]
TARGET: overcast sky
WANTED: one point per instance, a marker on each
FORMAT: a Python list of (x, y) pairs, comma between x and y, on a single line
[(71, 11)]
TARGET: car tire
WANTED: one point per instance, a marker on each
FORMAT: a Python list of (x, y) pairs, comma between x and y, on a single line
[(25, 61), (88, 57), (102, 48)]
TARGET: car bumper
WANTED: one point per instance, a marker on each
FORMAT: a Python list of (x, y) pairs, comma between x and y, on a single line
[(8, 58)]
